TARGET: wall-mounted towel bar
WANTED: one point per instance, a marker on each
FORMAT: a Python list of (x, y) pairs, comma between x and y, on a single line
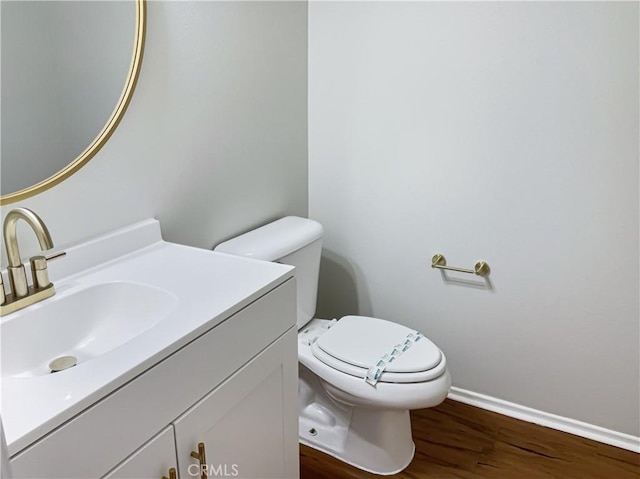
[(481, 268)]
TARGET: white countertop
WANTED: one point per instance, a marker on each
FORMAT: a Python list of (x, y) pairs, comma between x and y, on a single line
[(209, 286)]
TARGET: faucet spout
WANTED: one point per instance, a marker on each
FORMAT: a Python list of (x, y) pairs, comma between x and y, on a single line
[(17, 274), (10, 236)]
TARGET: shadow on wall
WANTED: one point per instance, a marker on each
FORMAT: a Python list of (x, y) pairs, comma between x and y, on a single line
[(338, 294)]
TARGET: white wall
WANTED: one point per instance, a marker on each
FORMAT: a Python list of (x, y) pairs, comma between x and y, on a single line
[(499, 131), (215, 139)]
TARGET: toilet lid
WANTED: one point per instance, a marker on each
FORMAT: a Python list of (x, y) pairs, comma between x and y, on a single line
[(360, 342)]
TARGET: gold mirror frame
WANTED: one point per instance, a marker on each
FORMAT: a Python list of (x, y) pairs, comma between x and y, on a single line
[(110, 126)]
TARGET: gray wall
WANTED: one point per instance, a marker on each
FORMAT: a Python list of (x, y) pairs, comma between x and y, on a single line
[(500, 131), (215, 139)]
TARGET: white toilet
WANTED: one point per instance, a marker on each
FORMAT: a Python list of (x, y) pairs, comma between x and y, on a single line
[(359, 376)]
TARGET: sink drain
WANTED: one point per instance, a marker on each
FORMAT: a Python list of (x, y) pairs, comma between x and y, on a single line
[(62, 363)]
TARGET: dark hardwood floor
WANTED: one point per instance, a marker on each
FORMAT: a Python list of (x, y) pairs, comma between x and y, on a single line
[(455, 440)]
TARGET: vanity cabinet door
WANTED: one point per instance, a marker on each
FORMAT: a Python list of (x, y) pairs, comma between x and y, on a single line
[(249, 424), (151, 461)]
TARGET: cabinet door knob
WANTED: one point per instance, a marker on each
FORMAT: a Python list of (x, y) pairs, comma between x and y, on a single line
[(172, 474), (201, 457)]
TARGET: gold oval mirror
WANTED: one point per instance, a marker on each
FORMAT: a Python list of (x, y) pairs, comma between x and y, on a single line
[(60, 99)]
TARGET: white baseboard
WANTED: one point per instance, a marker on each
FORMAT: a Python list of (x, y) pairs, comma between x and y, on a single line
[(583, 429)]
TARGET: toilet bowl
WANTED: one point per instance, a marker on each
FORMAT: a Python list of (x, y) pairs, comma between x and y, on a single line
[(358, 376), (365, 425)]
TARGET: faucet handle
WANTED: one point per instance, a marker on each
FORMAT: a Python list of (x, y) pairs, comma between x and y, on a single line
[(39, 270), (57, 255)]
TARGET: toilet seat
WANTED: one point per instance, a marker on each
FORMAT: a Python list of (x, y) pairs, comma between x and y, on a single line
[(354, 390), (355, 343)]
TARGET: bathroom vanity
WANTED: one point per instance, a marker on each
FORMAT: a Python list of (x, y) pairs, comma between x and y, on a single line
[(209, 386)]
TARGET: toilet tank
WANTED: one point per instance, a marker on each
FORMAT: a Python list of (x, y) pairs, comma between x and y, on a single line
[(291, 240)]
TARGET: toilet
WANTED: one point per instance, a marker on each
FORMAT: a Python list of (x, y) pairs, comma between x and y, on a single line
[(358, 376)]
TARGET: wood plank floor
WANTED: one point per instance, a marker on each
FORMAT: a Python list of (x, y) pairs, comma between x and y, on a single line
[(455, 440)]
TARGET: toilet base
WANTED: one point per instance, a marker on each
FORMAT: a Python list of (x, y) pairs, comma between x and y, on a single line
[(375, 440)]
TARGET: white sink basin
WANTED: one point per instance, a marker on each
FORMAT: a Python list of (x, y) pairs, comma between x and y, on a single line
[(85, 324)]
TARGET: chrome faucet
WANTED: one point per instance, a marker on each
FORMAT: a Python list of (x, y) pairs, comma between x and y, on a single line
[(22, 295)]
